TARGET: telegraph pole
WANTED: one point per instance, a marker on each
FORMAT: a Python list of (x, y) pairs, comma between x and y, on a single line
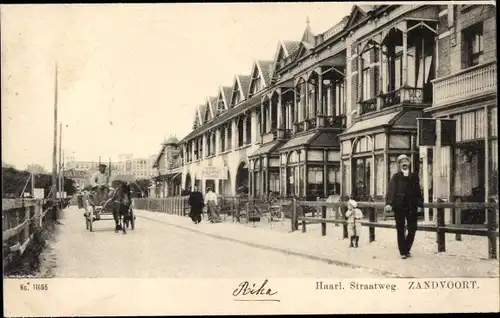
[(54, 152), (60, 162)]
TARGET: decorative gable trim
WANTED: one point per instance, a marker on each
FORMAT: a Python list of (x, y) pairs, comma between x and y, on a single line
[(256, 68), (355, 17)]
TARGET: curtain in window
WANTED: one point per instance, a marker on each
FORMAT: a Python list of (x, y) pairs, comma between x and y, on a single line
[(333, 185), (466, 171), (493, 167)]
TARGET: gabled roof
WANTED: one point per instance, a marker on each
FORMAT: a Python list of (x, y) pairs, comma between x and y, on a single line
[(226, 92), (212, 101), (358, 13), (203, 110), (265, 68), (289, 49), (292, 47), (244, 82)]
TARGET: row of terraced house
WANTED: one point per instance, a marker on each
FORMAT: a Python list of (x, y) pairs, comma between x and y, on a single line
[(331, 112)]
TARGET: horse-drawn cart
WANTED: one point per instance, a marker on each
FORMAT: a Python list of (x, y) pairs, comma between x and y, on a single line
[(99, 204), (95, 212)]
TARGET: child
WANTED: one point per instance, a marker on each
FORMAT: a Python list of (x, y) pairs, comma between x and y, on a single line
[(353, 216)]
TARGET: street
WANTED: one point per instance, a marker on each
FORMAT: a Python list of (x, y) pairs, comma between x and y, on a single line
[(156, 249)]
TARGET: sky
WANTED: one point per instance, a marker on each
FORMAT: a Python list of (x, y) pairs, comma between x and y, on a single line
[(130, 75)]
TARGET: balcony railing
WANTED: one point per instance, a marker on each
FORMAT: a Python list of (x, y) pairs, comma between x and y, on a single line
[(334, 121), (300, 127), (311, 123), (411, 95), (368, 106), (472, 82)]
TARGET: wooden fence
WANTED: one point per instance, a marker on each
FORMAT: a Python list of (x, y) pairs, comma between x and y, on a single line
[(372, 210), (21, 219), (171, 205)]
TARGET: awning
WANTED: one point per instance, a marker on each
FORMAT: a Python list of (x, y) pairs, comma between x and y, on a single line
[(298, 141), (371, 123), (267, 148)]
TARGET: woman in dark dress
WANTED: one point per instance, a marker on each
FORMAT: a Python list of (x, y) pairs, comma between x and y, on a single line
[(196, 202)]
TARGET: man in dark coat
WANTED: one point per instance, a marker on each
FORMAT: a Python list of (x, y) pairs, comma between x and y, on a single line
[(404, 197), (197, 203)]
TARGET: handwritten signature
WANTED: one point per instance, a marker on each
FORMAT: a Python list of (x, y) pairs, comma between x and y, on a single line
[(251, 289)]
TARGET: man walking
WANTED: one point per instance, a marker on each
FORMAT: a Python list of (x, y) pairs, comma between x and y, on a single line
[(404, 197)]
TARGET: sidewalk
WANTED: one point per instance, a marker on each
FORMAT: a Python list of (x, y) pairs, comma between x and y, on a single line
[(466, 258)]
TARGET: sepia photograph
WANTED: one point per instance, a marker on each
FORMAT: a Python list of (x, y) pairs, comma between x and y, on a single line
[(249, 158)]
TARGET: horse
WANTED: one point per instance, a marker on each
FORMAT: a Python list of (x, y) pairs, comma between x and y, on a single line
[(121, 200)]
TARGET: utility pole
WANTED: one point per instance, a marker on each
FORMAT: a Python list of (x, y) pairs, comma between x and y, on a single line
[(60, 162), (54, 152)]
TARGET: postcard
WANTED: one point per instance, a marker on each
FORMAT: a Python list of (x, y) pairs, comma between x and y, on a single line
[(249, 158)]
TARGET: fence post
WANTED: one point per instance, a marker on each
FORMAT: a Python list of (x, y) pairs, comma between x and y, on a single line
[(441, 235), (492, 238), (323, 224), (371, 217)]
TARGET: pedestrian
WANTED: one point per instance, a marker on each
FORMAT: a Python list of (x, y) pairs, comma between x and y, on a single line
[(405, 199), (211, 203), (354, 216), (195, 200)]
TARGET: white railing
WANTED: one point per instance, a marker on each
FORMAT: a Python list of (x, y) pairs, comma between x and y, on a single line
[(471, 82)]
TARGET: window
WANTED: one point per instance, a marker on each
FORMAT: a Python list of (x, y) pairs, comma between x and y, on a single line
[(365, 76), (380, 183), (395, 67), (472, 45), (339, 98), (362, 177), (249, 129), (333, 185), (274, 181), (229, 136), (346, 175), (223, 139), (315, 182), (240, 131)]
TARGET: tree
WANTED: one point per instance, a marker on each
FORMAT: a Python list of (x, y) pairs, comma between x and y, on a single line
[(15, 180), (141, 185)]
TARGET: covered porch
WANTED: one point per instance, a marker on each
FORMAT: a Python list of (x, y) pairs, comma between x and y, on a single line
[(264, 171), (310, 165)]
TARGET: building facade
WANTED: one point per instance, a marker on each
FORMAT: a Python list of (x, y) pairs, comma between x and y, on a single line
[(168, 170), (331, 112), (465, 91)]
